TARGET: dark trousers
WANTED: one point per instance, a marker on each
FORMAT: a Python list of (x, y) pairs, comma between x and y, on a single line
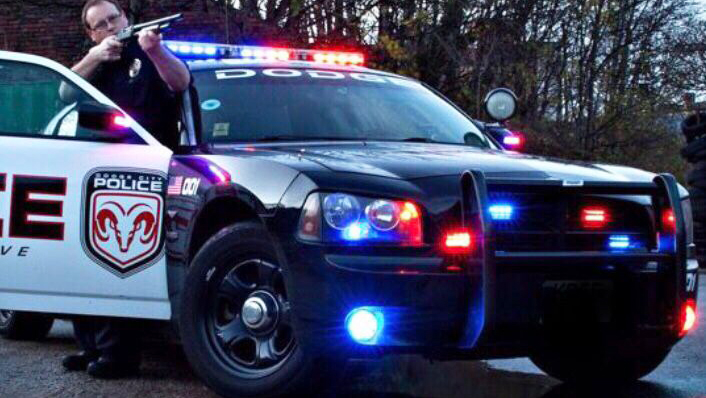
[(116, 338)]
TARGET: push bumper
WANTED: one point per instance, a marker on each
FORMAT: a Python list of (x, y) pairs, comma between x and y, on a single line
[(506, 303)]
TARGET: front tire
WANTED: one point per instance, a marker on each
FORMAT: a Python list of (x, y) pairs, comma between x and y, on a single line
[(236, 322), (17, 325)]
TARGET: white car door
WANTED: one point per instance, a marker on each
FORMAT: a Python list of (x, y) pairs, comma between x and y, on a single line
[(81, 210)]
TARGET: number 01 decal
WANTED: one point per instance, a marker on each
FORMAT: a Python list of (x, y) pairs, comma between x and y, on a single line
[(190, 187)]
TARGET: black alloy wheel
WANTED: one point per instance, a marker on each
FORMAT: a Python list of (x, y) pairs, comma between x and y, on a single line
[(249, 317), (237, 325)]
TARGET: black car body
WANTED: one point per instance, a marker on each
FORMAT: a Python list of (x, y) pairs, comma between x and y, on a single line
[(540, 280)]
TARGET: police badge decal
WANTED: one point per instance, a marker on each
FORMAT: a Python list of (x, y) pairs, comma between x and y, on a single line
[(122, 219)]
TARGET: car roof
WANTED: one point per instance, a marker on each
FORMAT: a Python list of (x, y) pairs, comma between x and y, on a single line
[(212, 64)]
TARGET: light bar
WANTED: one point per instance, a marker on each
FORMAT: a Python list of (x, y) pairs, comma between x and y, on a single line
[(194, 50), (501, 212)]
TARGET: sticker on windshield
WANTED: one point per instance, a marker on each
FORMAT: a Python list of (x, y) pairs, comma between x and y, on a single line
[(211, 105), (221, 129)]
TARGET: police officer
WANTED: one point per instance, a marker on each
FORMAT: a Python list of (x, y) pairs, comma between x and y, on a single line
[(145, 79)]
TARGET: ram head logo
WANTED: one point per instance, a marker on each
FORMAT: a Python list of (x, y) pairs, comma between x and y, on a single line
[(139, 219), (125, 228)]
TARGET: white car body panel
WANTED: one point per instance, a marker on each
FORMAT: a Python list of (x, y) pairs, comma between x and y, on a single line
[(55, 276)]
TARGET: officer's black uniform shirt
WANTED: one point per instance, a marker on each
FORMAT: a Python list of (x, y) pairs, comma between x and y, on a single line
[(135, 85)]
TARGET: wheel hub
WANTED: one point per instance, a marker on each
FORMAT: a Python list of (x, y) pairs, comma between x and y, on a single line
[(259, 311)]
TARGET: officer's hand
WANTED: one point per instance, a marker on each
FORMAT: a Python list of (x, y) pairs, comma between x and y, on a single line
[(108, 50), (149, 41)]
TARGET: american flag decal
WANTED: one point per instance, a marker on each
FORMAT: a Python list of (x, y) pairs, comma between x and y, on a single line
[(174, 187)]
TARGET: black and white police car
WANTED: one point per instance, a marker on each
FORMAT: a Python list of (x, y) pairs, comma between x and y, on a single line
[(320, 211)]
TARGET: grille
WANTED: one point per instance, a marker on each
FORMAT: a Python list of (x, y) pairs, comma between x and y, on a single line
[(550, 220)]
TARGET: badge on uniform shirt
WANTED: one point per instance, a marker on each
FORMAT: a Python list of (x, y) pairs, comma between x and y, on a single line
[(135, 68)]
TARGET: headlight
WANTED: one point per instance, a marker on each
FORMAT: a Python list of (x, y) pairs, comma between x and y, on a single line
[(344, 218), (383, 214), (341, 210)]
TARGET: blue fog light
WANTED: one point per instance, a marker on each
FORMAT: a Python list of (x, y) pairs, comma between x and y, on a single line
[(365, 325), (501, 212), (619, 242)]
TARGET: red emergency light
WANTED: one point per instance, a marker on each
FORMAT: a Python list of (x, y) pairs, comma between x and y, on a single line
[(458, 241), (594, 217), (669, 222)]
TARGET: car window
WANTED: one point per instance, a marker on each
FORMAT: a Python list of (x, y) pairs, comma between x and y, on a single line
[(36, 101), (256, 104)]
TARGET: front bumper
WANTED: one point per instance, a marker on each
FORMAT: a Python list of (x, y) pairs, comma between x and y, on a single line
[(504, 304)]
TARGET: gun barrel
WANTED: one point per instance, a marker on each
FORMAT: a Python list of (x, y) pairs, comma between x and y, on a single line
[(160, 21)]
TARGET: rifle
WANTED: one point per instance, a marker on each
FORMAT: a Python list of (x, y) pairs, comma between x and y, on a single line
[(158, 25)]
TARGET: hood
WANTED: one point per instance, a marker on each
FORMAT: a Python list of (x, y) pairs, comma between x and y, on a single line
[(403, 160)]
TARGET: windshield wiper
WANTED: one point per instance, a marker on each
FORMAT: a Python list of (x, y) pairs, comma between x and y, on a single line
[(289, 137)]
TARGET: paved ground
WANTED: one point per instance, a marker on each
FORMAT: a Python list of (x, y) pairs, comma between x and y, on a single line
[(34, 370)]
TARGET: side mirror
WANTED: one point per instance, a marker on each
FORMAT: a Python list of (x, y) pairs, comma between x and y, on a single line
[(104, 121), (501, 104)]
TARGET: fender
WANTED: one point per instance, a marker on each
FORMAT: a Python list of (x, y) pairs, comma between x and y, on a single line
[(228, 190)]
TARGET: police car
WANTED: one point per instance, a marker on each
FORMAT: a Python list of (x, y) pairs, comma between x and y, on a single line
[(320, 211)]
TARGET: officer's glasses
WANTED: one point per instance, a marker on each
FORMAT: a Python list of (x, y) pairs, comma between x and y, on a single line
[(103, 25)]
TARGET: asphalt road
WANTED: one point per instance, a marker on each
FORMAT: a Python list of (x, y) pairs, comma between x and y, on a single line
[(29, 369)]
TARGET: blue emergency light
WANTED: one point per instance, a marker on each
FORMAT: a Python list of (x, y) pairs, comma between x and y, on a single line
[(194, 50), (356, 231), (619, 241), (501, 212)]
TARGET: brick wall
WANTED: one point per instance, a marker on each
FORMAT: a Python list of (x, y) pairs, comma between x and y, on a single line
[(54, 30)]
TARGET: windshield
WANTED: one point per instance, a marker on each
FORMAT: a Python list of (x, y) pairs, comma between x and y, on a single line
[(253, 104)]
